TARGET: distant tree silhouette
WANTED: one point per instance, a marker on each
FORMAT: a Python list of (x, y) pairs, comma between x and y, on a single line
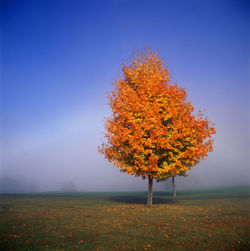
[(68, 186)]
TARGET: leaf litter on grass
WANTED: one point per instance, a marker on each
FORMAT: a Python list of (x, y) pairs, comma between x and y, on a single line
[(71, 223)]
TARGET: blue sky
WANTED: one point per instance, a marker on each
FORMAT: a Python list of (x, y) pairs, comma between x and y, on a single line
[(58, 62)]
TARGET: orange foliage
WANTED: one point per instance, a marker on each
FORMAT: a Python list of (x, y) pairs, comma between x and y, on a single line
[(152, 130)]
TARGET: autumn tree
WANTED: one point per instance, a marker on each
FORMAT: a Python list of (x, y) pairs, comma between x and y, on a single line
[(152, 131)]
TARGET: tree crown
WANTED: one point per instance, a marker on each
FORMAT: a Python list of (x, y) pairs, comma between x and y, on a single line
[(152, 130)]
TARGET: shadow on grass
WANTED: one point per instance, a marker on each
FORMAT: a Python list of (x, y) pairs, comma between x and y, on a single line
[(161, 193), (141, 200)]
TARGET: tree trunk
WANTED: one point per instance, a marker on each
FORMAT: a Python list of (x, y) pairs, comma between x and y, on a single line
[(150, 191), (174, 188)]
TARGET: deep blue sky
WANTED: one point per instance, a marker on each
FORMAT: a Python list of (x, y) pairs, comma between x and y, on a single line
[(58, 62)]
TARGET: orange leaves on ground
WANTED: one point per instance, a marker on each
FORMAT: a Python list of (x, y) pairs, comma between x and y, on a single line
[(14, 236), (168, 235), (147, 246), (153, 130)]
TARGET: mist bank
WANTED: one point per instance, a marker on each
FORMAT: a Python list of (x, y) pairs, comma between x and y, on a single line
[(122, 183), (14, 185)]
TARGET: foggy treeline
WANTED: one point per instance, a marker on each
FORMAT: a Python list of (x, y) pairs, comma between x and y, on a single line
[(15, 185), (21, 185)]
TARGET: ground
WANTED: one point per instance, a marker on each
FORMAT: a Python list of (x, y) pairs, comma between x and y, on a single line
[(196, 220)]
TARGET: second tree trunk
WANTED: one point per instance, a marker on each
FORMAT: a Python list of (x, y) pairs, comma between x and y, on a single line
[(174, 188), (150, 191)]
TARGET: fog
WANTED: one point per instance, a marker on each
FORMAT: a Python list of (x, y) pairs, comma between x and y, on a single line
[(59, 60), (64, 157)]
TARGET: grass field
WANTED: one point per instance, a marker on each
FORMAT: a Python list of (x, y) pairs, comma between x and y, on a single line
[(197, 220)]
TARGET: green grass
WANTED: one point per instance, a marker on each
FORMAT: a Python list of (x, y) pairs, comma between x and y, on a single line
[(216, 191), (121, 221)]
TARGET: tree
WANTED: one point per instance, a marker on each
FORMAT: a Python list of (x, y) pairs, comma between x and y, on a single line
[(173, 181), (152, 131)]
